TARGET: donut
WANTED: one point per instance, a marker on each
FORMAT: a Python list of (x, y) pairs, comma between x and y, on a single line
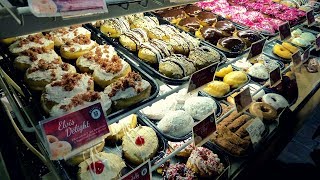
[(248, 36), (178, 171), (281, 51), (224, 71), (189, 24), (211, 34), (146, 23), (207, 18), (173, 15), (183, 43), (162, 32), (263, 110), (275, 100), (204, 162), (62, 35), (226, 26), (176, 66), (290, 47), (59, 149), (192, 10), (77, 47), (51, 139), (231, 44)]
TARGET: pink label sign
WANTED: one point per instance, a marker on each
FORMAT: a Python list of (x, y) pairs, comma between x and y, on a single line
[(65, 134), (142, 172)]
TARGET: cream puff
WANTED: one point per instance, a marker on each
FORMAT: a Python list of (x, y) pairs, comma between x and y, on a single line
[(114, 27), (133, 39), (65, 34), (154, 50)]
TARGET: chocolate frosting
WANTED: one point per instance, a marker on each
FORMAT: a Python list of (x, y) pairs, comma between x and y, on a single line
[(225, 26), (173, 14), (207, 17), (192, 10), (234, 44), (212, 34), (191, 23), (249, 35)]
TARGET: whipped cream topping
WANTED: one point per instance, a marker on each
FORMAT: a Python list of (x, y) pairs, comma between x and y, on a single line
[(68, 33), (48, 57), (36, 41), (105, 75)]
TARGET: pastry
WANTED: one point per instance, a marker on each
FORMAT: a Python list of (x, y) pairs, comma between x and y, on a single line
[(217, 88), (153, 51), (160, 108), (281, 51), (68, 86), (204, 56), (235, 79), (263, 111), (242, 131), (59, 149), (313, 65), (207, 18), (290, 47), (41, 74), (189, 24), (242, 64), (238, 122), (224, 71), (128, 90), (98, 23), (178, 171), (183, 43), (248, 36), (259, 71), (225, 26), (231, 44), (33, 55), (302, 39), (184, 152), (102, 165), (192, 10), (133, 39), (109, 71), (162, 32), (204, 162), (32, 41), (173, 15), (140, 144), (119, 129), (130, 18), (275, 100), (211, 34), (62, 35), (146, 23), (300, 42), (79, 101), (176, 123), (9, 40), (88, 62), (176, 66), (200, 107), (253, 89), (77, 47), (229, 119), (114, 27)]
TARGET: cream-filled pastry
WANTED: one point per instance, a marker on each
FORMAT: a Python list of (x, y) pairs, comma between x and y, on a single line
[(65, 34)]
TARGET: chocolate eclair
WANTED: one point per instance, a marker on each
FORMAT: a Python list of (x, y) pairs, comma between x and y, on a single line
[(189, 24), (173, 15), (211, 34), (192, 10), (231, 44), (226, 26), (248, 36), (176, 66), (207, 18)]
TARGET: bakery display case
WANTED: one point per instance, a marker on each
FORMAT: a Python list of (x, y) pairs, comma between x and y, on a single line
[(136, 63)]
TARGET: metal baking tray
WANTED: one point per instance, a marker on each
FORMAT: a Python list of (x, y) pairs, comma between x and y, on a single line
[(222, 156), (153, 123), (31, 101), (145, 66), (70, 172)]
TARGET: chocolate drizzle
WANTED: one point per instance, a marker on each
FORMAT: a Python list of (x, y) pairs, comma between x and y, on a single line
[(233, 44), (183, 62), (160, 48)]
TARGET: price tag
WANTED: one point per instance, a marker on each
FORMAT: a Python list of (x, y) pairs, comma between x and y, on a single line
[(275, 77), (310, 18), (305, 55), (74, 132), (142, 172), (284, 30), (318, 43), (202, 77), (255, 130), (296, 58), (256, 48), (243, 100), (204, 129)]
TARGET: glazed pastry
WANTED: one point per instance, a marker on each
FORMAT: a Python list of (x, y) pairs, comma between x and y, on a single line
[(128, 90), (192, 10), (290, 47), (263, 111), (146, 23), (176, 66), (200, 107), (189, 24), (281, 51), (217, 88), (204, 162), (224, 71), (183, 43), (62, 35), (114, 27), (235, 79), (41, 74), (140, 144), (33, 55), (77, 47), (102, 165), (207, 18), (259, 71), (109, 71), (231, 44), (162, 32), (32, 41), (133, 39), (225, 26), (248, 36), (130, 18), (176, 123), (119, 129), (204, 56), (153, 51), (79, 101), (275, 100), (173, 15), (68, 86), (178, 171), (91, 60), (211, 34)]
